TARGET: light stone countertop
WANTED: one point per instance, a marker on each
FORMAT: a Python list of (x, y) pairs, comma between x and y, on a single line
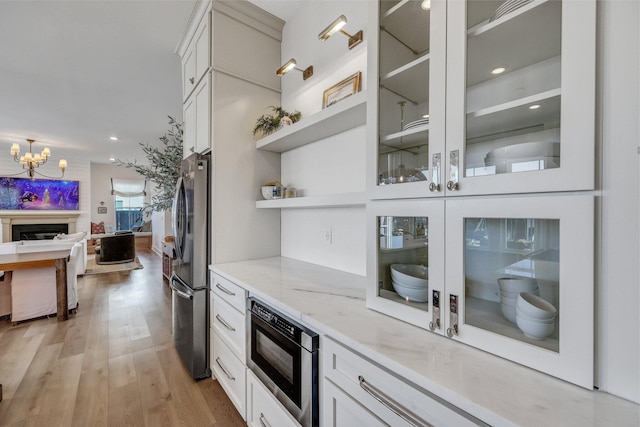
[(495, 390)]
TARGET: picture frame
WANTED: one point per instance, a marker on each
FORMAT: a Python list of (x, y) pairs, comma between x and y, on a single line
[(102, 209), (339, 91)]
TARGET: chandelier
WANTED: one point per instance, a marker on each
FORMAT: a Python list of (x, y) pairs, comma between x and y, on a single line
[(30, 161)]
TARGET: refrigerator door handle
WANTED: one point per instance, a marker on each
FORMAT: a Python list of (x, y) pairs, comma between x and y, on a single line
[(186, 294), (177, 204)]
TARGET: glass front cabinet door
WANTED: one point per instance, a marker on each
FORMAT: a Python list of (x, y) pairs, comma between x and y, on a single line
[(520, 96), (406, 112), (518, 280)]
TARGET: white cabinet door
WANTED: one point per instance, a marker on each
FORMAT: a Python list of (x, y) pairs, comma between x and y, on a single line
[(520, 97), (196, 114), (189, 128), (342, 410), (263, 410), (203, 115), (409, 241), (520, 275), (406, 112), (230, 372), (197, 57), (188, 72)]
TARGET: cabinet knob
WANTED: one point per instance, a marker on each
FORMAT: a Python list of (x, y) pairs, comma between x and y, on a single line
[(451, 186), (192, 149), (192, 80), (452, 331), (433, 187)]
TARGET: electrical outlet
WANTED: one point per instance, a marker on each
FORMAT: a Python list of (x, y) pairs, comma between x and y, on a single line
[(328, 236)]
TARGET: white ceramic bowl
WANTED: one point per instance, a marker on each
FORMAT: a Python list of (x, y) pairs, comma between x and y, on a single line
[(534, 306), (514, 295), (410, 275), (267, 192), (534, 328), (509, 312), (517, 284), (533, 319), (412, 293)]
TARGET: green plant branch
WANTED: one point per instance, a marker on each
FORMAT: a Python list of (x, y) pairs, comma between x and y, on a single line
[(163, 169)]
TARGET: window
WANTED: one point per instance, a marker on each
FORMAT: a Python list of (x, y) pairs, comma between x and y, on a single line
[(130, 198)]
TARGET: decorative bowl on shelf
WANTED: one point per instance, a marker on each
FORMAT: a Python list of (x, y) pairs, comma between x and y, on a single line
[(410, 275), (535, 307), (534, 328), (272, 192), (410, 293), (517, 157)]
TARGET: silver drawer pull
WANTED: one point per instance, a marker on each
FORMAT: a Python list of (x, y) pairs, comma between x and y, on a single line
[(224, 370), (263, 420), (225, 290), (225, 324), (394, 407)]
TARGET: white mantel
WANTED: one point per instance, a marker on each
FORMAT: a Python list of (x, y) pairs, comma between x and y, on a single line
[(9, 218)]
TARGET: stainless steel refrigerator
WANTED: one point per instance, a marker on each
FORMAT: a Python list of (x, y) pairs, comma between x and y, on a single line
[(189, 281)]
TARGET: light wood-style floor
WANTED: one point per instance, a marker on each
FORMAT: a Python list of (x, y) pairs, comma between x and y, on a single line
[(111, 364)]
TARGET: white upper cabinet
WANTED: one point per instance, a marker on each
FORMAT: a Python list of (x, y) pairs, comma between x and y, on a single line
[(196, 59), (482, 97), (520, 96), (406, 114)]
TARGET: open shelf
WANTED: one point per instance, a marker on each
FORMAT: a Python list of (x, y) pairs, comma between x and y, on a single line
[(340, 117), (323, 201)]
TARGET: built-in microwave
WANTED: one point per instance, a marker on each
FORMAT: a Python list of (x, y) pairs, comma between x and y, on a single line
[(284, 356)]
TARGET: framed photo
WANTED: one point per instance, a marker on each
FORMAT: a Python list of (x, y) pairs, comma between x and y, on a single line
[(342, 90), (102, 209)]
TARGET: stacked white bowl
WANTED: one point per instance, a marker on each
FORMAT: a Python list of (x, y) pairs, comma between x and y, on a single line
[(410, 281), (535, 316), (510, 288)]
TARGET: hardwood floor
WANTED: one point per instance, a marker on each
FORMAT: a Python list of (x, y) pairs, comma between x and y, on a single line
[(111, 364)]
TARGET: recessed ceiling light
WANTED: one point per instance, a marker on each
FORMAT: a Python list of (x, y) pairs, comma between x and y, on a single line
[(113, 138), (498, 70), (425, 116), (112, 159), (534, 106), (426, 4)]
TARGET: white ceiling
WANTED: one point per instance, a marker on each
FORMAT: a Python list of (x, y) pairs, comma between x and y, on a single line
[(74, 73)]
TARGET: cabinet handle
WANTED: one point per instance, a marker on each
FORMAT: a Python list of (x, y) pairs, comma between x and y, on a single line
[(434, 186), (454, 157), (435, 319), (263, 420), (225, 324), (391, 405), (453, 316), (192, 80), (224, 370), (225, 290)]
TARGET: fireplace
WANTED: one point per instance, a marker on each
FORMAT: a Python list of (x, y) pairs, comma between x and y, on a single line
[(37, 231), (42, 220)]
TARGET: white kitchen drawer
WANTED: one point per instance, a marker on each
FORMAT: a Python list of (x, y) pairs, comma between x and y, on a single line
[(355, 375), (263, 410), (231, 373), (341, 410), (230, 326), (230, 292)]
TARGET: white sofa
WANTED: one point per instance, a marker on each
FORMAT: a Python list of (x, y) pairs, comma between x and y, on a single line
[(33, 291)]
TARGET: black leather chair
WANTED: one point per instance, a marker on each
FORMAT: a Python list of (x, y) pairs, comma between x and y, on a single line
[(115, 249)]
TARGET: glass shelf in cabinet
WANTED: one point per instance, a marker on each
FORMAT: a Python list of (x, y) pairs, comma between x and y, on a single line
[(408, 23), (527, 36)]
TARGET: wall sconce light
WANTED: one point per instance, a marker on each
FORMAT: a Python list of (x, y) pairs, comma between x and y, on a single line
[(291, 65), (336, 26)]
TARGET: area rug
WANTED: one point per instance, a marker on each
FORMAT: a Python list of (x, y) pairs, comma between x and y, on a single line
[(93, 268)]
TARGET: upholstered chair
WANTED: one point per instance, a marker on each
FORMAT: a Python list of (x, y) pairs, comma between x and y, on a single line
[(116, 248)]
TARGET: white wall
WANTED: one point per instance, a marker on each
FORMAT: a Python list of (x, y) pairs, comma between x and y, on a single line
[(333, 165), (78, 170), (618, 288)]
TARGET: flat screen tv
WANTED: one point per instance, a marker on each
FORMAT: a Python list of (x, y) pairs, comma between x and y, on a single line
[(38, 194)]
